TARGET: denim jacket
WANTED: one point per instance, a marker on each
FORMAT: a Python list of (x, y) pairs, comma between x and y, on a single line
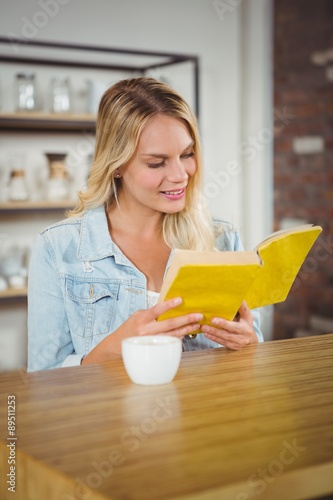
[(82, 288)]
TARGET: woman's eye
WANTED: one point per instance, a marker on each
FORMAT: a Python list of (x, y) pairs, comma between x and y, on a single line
[(156, 165), (188, 155), (163, 162)]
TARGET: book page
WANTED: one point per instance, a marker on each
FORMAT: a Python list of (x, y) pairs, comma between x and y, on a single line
[(282, 259), (290, 230)]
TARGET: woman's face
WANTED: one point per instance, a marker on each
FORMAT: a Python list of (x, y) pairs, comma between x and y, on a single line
[(157, 176)]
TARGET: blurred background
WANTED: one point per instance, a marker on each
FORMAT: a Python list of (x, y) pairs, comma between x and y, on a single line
[(259, 73)]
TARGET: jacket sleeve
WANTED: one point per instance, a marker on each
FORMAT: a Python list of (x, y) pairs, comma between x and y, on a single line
[(49, 339)]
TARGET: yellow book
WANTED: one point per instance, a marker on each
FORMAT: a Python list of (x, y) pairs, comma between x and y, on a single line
[(216, 283)]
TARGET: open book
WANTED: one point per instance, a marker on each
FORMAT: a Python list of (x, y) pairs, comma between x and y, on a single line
[(216, 283)]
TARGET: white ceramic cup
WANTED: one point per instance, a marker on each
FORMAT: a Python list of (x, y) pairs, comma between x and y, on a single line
[(151, 359)]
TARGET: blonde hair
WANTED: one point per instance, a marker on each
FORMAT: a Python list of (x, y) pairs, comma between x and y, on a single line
[(124, 110)]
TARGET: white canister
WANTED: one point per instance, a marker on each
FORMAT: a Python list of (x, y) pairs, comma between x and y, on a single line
[(17, 186), (57, 187)]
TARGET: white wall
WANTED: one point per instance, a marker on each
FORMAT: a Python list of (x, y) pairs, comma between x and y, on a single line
[(229, 96)]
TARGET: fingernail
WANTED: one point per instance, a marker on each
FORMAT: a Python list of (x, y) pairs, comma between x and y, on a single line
[(177, 301), (215, 321), (198, 316)]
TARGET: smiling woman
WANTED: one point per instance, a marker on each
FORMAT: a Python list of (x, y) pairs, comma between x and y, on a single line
[(93, 275), (149, 186), (143, 116)]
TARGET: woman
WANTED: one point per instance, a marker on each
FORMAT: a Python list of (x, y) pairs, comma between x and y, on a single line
[(94, 277)]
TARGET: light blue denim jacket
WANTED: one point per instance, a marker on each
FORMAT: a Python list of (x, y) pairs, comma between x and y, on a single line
[(82, 288)]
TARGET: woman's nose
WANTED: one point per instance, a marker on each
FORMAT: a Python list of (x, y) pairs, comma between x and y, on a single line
[(177, 172)]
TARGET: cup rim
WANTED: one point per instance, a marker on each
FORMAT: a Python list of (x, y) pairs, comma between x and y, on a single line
[(151, 340)]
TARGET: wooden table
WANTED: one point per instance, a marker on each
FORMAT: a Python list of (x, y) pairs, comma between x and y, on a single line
[(255, 424)]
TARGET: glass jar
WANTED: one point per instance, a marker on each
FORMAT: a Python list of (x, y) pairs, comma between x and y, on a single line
[(12, 266), (17, 186), (25, 90), (57, 187), (60, 95)]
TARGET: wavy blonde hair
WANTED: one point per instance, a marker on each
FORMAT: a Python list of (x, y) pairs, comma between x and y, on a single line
[(124, 110)]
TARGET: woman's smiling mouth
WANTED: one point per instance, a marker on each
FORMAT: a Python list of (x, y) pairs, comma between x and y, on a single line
[(175, 194)]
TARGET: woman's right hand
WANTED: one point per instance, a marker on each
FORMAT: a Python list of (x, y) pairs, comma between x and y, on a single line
[(144, 322)]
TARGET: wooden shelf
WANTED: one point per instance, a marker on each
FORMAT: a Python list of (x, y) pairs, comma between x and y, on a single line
[(13, 293), (17, 207), (47, 122)]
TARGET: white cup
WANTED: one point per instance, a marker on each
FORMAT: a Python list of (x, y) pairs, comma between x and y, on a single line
[(151, 359)]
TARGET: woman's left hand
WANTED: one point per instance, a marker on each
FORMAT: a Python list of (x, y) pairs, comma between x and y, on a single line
[(234, 334)]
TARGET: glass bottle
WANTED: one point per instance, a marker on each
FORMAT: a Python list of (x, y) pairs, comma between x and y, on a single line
[(25, 89), (17, 186), (57, 185), (60, 95)]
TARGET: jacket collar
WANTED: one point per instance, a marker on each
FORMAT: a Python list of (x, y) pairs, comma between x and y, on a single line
[(95, 240)]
